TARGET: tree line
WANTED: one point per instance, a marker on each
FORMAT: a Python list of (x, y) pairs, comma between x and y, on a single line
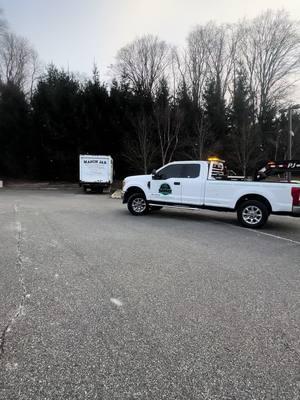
[(220, 95)]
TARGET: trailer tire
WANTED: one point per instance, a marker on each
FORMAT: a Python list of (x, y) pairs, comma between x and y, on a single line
[(137, 204), (252, 214), (98, 190)]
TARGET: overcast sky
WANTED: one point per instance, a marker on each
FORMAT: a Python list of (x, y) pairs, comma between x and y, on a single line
[(75, 33)]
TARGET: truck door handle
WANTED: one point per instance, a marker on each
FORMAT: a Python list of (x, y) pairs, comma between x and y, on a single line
[(176, 183)]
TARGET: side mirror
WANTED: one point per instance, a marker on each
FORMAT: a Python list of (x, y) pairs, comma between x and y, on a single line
[(155, 175)]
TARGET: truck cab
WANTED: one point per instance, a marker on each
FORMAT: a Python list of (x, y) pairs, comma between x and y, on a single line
[(178, 182)]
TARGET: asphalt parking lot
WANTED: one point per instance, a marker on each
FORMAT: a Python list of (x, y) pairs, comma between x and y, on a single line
[(98, 304)]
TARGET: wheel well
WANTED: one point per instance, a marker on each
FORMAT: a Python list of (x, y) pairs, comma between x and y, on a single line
[(130, 191), (254, 196)]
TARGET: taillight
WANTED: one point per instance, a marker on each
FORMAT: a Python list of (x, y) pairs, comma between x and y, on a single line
[(296, 196)]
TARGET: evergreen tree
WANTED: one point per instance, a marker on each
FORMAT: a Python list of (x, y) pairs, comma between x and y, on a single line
[(268, 130), (15, 134), (216, 117), (95, 136), (242, 148), (189, 146), (56, 111)]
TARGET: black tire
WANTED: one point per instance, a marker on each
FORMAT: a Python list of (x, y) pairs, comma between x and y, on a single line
[(253, 214), (137, 204), (155, 208)]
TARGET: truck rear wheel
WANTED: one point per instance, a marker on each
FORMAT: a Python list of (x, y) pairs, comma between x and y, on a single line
[(137, 204), (252, 214)]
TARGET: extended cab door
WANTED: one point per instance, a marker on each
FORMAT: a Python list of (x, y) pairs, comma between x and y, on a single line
[(193, 185), (166, 185), (178, 183)]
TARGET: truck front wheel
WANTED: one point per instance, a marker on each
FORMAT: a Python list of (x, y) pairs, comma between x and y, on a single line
[(137, 204), (252, 214)]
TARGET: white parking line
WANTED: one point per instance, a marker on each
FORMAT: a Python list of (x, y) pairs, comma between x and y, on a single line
[(274, 236), (258, 232)]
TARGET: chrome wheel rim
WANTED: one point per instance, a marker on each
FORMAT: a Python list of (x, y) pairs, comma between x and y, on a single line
[(252, 215), (139, 205)]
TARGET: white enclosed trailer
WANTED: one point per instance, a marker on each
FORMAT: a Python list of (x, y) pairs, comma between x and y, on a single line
[(95, 172)]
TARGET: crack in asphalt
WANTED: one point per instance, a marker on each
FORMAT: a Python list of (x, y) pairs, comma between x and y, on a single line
[(20, 268)]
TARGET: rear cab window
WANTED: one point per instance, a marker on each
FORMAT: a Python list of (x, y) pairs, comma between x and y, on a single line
[(190, 170)]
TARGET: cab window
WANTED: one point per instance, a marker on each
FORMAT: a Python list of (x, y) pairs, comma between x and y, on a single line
[(171, 171), (190, 170), (179, 171)]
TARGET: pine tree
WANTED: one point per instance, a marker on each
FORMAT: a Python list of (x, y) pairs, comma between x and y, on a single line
[(243, 146), (56, 116), (15, 135), (215, 113)]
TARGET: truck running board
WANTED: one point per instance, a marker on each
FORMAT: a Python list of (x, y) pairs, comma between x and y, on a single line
[(189, 206), (175, 206)]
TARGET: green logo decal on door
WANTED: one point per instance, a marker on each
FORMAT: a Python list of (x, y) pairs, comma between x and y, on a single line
[(165, 189)]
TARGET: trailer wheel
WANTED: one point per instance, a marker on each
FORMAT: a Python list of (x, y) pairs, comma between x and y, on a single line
[(252, 214), (137, 204)]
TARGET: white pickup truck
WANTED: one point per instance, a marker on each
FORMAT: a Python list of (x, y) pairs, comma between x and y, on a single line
[(205, 185)]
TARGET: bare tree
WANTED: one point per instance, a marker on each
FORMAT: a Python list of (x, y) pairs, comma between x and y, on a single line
[(3, 24), (196, 62), (210, 52), (35, 72), (168, 123), (174, 75), (18, 62), (140, 149), (222, 47), (269, 48), (210, 56), (143, 63)]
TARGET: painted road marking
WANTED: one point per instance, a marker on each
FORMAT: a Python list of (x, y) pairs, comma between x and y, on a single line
[(256, 231), (275, 236)]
